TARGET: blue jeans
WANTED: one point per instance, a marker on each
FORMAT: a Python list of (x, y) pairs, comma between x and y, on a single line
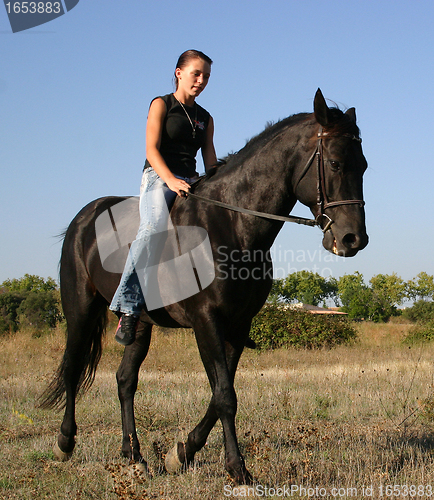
[(155, 201)]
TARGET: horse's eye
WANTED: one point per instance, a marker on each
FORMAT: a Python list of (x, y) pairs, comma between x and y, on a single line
[(334, 165)]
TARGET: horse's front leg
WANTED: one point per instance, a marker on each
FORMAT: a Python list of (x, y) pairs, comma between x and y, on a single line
[(225, 404), (127, 378), (220, 360)]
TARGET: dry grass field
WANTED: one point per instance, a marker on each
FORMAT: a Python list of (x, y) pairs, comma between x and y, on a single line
[(351, 422)]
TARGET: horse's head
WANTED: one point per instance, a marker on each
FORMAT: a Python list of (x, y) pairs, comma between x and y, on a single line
[(331, 184)]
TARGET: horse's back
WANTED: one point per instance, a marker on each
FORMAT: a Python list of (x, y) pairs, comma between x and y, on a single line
[(96, 244)]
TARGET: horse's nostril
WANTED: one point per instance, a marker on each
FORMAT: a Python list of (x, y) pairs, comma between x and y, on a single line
[(351, 240)]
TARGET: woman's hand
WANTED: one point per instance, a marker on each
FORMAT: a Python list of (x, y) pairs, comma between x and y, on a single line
[(178, 185)]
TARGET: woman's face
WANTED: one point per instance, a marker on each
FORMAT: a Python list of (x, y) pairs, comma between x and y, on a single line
[(193, 77)]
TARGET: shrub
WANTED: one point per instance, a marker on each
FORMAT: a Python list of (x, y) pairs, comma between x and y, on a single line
[(275, 327), (421, 311), (9, 304), (423, 332), (39, 309)]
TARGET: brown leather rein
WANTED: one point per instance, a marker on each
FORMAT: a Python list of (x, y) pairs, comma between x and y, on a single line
[(322, 199)]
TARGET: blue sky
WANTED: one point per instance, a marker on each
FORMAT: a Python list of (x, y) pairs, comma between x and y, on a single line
[(74, 95)]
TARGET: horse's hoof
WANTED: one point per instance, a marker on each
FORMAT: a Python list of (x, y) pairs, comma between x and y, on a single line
[(60, 455), (172, 462)]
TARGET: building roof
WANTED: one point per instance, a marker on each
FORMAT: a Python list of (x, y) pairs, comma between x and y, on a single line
[(316, 309)]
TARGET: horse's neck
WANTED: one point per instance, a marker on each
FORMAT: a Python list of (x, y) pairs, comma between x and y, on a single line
[(262, 182)]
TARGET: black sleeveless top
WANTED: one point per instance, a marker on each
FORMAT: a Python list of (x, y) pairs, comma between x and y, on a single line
[(178, 145)]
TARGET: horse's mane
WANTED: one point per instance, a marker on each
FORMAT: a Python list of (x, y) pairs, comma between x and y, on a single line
[(270, 131), (340, 123)]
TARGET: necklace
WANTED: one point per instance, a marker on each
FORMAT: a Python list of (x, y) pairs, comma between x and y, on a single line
[(193, 127)]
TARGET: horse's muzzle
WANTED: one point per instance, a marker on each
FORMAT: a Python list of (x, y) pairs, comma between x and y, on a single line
[(346, 246)]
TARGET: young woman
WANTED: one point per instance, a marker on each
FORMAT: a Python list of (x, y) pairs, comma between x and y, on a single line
[(176, 129)]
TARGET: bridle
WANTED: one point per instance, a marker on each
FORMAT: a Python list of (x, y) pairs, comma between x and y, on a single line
[(322, 200)]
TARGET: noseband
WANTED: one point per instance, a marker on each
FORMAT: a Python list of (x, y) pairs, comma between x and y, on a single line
[(322, 200)]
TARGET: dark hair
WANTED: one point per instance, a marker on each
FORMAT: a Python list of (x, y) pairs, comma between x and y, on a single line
[(186, 57)]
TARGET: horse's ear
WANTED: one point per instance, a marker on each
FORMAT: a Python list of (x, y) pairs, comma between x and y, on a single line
[(321, 109), (352, 114)]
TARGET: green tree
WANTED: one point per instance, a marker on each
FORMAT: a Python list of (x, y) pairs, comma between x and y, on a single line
[(390, 287), (378, 306), (421, 311), (30, 300), (276, 293), (304, 286), (376, 302), (421, 287), (9, 304), (349, 287), (39, 309), (28, 283), (356, 297)]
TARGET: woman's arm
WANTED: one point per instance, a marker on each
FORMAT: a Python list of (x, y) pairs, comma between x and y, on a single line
[(154, 130), (208, 151)]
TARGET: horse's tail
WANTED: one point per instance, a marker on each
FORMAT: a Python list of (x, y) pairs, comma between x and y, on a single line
[(54, 395), (85, 311)]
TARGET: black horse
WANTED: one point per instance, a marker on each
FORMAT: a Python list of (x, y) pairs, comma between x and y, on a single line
[(314, 158)]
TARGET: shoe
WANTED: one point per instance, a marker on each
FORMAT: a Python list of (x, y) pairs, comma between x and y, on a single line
[(126, 331)]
